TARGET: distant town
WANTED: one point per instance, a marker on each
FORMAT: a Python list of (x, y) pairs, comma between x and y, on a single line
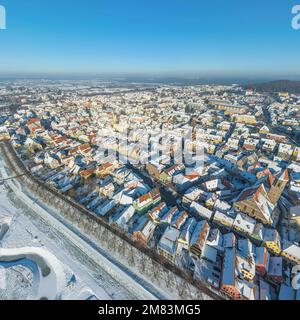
[(229, 219)]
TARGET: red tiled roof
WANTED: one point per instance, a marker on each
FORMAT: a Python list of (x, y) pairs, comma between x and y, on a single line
[(247, 193), (285, 176), (144, 197), (105, 166), (33, 120), (192, 176), (38, 128), (88, 172), (181, 219)]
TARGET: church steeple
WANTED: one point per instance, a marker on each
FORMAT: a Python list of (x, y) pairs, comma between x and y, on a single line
[(278, 187)]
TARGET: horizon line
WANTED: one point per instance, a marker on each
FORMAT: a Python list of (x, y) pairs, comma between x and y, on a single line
[(154, 75)]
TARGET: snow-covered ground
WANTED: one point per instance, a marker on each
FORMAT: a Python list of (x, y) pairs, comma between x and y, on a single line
[(48, 277), (27, 230), (87, 273)]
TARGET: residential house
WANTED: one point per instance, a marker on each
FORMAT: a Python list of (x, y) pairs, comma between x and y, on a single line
[(215, 239), (186, 234), (229, 274), (229, 240), (271, 240), (244, 224), (201, 211), (154, 169), (291, 252), (145, 202), (104, 170), (257, 234), (158, 211), (295, 215), (275, 272), (199, 237), (169, 216), (143, 231), (179, 220), (167, 245), (223, 219), (88, 173), (262, 259), (122, 216)]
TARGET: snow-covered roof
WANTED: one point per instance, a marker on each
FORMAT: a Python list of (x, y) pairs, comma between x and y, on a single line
[(275, 266), (291, 249), (168, 241), (244, 222), (201, 211)]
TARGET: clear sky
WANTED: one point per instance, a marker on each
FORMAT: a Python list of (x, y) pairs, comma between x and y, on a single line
[(234, 37)]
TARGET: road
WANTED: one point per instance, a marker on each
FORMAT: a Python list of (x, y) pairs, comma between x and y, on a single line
[(86, 251), (156, 292)]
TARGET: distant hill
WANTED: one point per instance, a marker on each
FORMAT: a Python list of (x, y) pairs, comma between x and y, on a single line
[(276, 86)]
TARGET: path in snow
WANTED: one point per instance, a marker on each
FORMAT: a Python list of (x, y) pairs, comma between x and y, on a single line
[(96, 268)]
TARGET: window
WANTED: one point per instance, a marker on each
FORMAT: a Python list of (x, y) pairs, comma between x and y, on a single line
[(279, 184)]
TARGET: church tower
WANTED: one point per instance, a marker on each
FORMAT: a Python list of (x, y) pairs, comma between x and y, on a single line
[(278, 186), (115, 119)]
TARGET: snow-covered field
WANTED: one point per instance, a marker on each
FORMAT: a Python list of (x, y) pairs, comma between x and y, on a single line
[(86, 272)]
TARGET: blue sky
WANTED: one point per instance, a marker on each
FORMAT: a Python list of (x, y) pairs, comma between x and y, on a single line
[(222, 37)]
